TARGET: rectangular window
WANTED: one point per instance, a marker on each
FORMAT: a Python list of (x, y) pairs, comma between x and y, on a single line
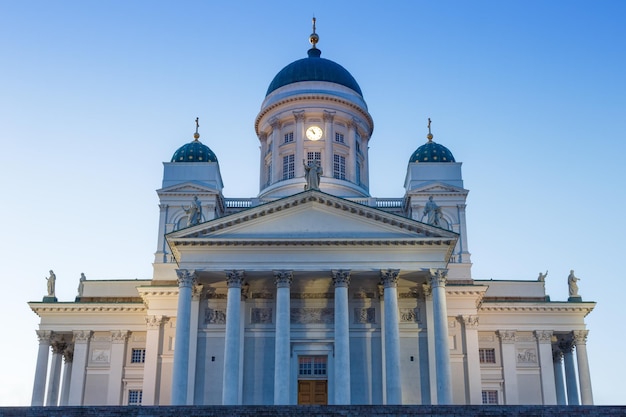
[(313, 156), (339, 167), (288, 166), (490, 397), (358, 173), (312, 366), (135, 396), (339, 137), (358, 146), (289, 137), (487, 355), (138, 356), (269, 173)]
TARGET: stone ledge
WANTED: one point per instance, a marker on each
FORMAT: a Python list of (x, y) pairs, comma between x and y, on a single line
[(315, 411)]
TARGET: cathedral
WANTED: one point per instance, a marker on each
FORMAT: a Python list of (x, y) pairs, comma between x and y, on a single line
[(313, 291)]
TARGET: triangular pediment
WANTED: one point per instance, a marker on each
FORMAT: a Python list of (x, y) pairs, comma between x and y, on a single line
[(311, 216), (438, 188), (186, 188)]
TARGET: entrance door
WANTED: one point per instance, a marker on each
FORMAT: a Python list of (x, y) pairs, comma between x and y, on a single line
[(314, 391)]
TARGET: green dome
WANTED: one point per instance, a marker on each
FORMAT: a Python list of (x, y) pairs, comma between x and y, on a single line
[(314, 68), (432, 152), (194, 151)]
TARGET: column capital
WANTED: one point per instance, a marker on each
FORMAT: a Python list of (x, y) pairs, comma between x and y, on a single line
[(186, 278), (566, 345), (543, 336), (470, 322), (43, 335), (82, 336), (557, 354), (427, 289), (341, 277), (438, 277), (196, 291), (389, 277), (263, 136), (298, 115), (154, 322), (580, 337), (354, 124), (329, 116), (283, 278), (275, 123), (119, 336), (68, 353), (506, 336), (58, 345), (234, 278)]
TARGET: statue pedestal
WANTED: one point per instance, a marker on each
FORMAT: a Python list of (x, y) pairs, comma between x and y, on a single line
[(48, 299), (577, 299)]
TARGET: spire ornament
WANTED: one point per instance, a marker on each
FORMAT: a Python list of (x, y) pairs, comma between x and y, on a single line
[(430, 135), (314, 38), (196, 135)]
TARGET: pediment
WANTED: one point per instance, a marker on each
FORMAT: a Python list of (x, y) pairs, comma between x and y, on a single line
[(309, 217), (186, 188), (439, 188)]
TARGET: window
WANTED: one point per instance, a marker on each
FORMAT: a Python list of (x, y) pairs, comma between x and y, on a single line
[(339, 167), (289, 137), (135, 396), (288, 167), (138, 356), (313, 156), (339, 137), (269, 173), (487, 355), (312, 366), (490, 397), (358, 173), (358, 146)]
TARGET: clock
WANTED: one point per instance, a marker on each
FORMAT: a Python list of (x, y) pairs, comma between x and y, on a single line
[(314, 133)]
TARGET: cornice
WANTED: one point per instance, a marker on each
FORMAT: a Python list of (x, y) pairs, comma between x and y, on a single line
[(51, 308), (584, 308), (308, 97)]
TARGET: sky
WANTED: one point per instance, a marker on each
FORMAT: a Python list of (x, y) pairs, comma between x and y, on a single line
[(530, 95)]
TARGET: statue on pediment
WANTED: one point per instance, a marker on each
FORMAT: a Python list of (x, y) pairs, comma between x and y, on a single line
[(52, 279), (542, 277), (573, 286), (194, 212), (312, 174), (81, 284), (433, 213)]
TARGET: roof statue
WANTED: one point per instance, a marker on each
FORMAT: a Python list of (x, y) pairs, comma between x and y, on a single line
[(52, 279), (433, 211), (81, 284), (542, 277), (312, 173), (194, 212), (573, 286)]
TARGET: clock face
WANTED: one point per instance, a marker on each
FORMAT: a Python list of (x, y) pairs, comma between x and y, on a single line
[(314, 133)]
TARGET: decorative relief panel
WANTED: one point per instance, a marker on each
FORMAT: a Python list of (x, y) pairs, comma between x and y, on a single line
[(411, 293), (365, 315), (361, 294), (214, 316), (409, 315), (486, 338), (526, 356), (101, 355), (264, 295), (261, 316), (311, 295), (312, 315)]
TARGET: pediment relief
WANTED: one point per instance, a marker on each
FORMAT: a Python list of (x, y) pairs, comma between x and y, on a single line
[(312, 216)]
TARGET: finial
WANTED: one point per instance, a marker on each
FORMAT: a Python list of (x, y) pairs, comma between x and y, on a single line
[(314, 39), (430, 135), (196, 135)]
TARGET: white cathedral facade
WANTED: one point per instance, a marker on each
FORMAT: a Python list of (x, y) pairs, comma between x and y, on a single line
[(312, 292)]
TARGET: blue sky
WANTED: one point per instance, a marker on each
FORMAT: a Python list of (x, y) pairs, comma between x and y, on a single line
[(529, 95)]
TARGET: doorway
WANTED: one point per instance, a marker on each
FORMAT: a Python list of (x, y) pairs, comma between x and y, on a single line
[(312, 380)]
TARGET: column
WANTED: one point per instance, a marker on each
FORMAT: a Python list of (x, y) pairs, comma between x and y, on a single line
[(151, 364), (470, 324), (116, 367), (544, 346), (196, 295), (567, 346), (58, 346), (329, 133), (559, 382), (232, 342), (509, 366), (41, 369), (351, 160), (442, 344), (180, 369), (430, 332), (282, 279), (68, 356), (584, 377), (276, 141), (264, 180), (389, 279), (79, 366), (341, 279), (299, 139)]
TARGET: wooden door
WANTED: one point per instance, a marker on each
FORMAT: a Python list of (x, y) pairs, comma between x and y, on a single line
[(312, 391)]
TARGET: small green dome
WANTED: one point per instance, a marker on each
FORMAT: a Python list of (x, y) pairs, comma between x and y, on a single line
[(194, 151), (314, 68), (432, 152)]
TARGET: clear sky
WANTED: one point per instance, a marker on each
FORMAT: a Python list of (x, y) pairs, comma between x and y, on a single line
[(530, 95)]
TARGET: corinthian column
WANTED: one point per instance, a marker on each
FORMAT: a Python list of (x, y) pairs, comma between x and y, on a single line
[(389, 279), (230, 392), (186, 280), (559, 383), (341, 279), (442, 345), (548, 387), (58, 346), (283, 337), (299, 134), (329, 138), (68, 356), (584, 377), (567, 346), (41, 370)]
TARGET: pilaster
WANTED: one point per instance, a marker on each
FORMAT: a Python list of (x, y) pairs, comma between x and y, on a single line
[(544, 346), (329, 133), (584, 376), (509, 365), (116, 370), (470, 324), (151, 364), (79, 366), (299, 133)]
